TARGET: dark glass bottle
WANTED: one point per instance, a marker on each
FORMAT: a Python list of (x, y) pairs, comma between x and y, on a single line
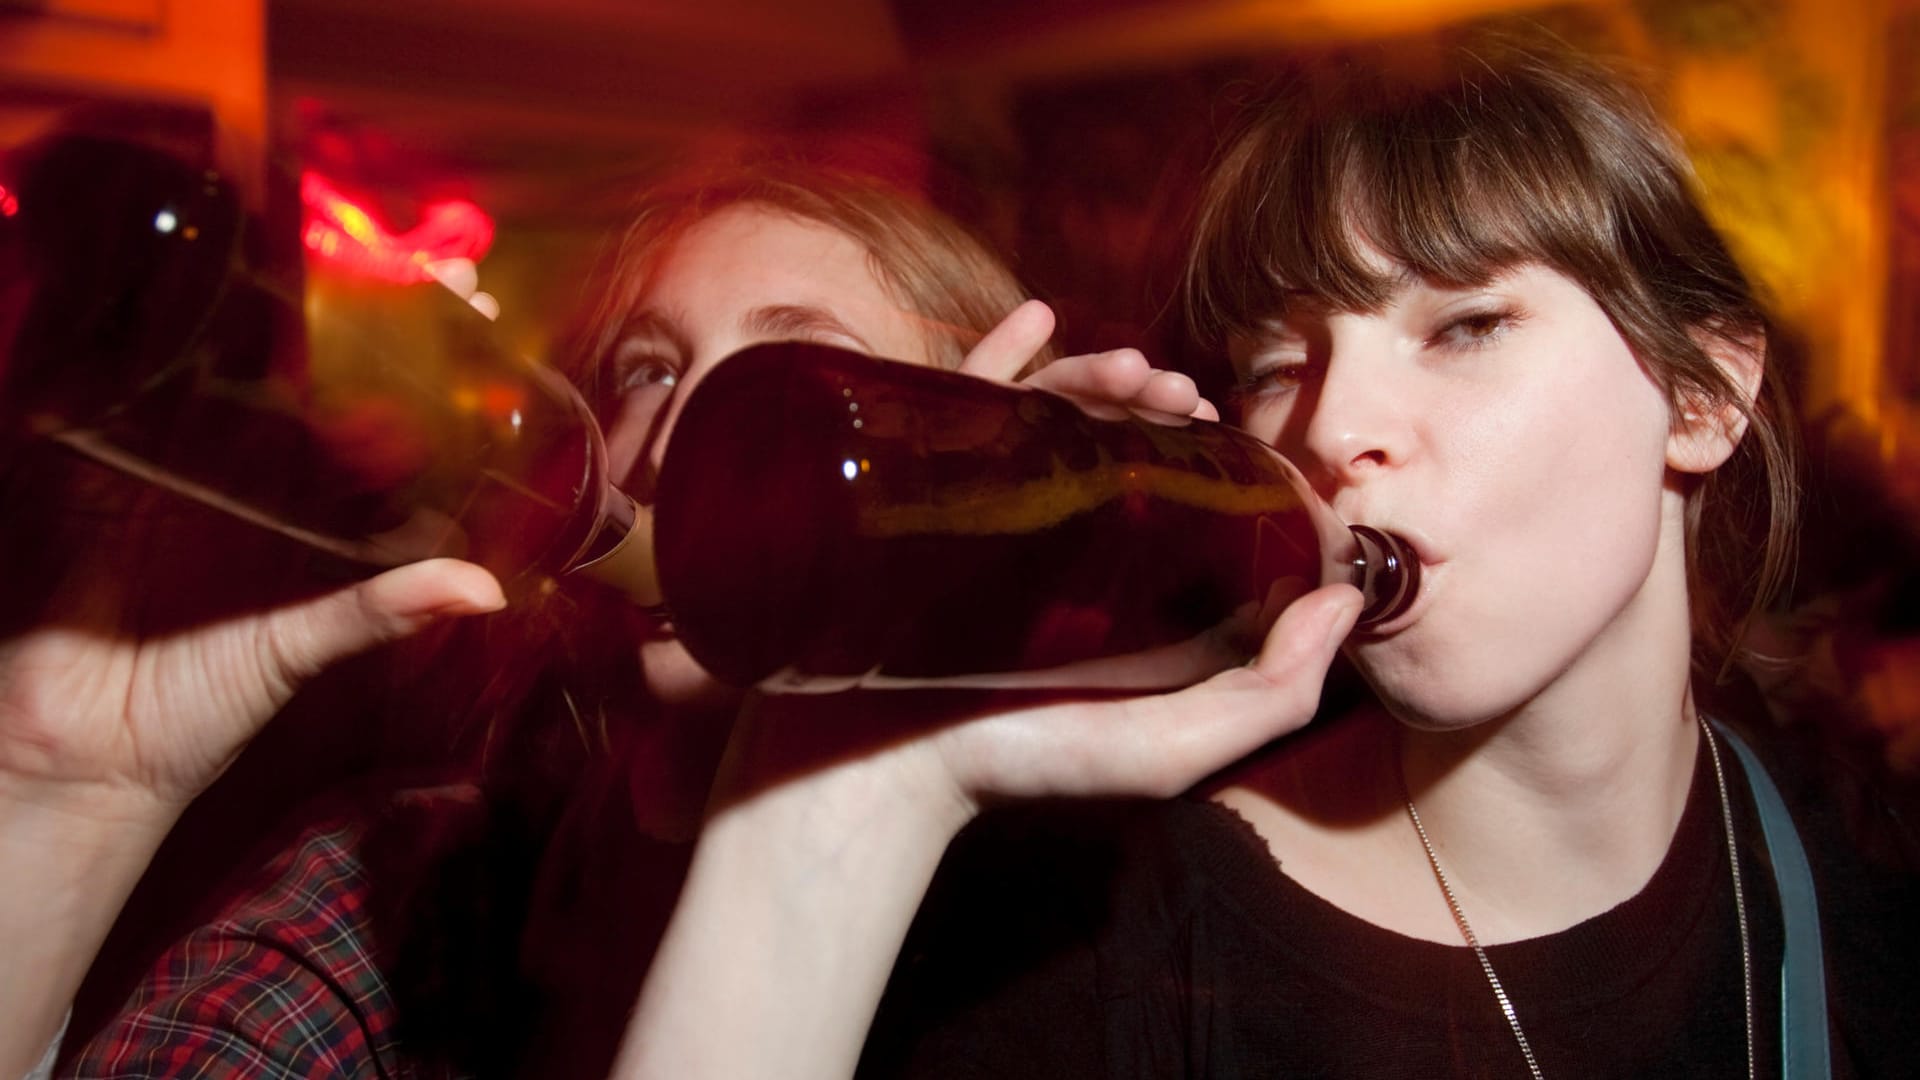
[(825, 520), (379, 423)]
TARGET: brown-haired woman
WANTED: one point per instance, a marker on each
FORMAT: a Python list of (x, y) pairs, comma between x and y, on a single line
[(1473, 295)]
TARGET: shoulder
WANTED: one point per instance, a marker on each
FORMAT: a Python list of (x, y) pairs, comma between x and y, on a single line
[(283, 980), (1853, 816), (1073, 848), (290, 977), (1326, 810), (1857, 814)]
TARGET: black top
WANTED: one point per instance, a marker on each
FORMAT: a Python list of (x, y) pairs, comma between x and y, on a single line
[(1161, 939)]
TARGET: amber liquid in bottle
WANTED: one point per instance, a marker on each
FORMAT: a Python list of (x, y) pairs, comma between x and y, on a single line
[(379, 423), (826, 520)]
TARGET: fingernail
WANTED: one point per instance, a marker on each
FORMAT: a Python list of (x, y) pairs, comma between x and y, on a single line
[(480, 603)]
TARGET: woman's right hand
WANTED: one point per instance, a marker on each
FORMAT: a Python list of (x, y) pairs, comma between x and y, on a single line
[(969, 749), (832, 812), (96, 713), (116, 710)]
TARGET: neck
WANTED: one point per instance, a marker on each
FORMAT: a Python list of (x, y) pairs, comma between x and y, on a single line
[(1541, 827), (1544, 815), (1566, 805)]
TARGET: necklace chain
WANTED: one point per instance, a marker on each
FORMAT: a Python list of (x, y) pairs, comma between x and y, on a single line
[(1466, 931), (1486, 965), (1739, 895)]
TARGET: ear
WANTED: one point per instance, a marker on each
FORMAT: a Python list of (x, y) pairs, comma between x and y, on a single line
[(1705, 432)]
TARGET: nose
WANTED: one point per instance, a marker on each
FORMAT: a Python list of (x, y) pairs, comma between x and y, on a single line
[(1356, 426), (667, 415), (663, 427), (635, 434)]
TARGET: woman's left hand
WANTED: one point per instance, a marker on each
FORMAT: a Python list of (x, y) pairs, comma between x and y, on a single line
[(1117, 377), (832, 812)]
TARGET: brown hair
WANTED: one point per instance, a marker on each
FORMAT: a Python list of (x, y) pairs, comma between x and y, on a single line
[(1458, 163), (930, 265)]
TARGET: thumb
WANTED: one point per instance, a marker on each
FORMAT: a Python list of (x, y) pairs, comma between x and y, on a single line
[(1308, 632), (307, 638)]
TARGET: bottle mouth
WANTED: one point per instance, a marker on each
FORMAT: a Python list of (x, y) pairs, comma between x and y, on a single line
[(1387, 572)]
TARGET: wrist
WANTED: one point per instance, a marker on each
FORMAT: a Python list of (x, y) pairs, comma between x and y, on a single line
[(902, 799), (94, 815), (72, 861), (84, 850), (851, 759), (799, 895)]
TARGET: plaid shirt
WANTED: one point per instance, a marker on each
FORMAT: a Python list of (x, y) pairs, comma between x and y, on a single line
[(523, 934), (283, 984)]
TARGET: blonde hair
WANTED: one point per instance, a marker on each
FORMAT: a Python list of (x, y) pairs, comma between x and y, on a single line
[(928, 263)]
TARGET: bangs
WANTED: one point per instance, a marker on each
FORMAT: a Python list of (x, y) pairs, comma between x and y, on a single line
[(1344, 189)]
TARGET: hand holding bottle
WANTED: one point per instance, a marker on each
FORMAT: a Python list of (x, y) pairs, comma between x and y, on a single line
[(1119, 377), (990, 746), (109, 727), (887, 526), (93, 713), (832, 812)]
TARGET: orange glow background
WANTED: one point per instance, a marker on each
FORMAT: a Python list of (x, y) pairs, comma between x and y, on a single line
[(1067, 131)]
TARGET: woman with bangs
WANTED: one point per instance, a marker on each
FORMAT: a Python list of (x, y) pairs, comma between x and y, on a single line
[(1475, 298)]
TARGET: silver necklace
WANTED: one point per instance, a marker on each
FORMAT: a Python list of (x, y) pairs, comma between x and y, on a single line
[(1493, 980)]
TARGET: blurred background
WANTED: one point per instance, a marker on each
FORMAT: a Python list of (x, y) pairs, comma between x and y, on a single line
[(1068, 132)]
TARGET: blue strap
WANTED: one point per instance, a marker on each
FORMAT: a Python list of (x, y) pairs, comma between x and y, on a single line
[(1803, 982)]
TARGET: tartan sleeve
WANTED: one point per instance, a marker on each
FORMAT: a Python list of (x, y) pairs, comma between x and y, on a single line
[(282, 984)]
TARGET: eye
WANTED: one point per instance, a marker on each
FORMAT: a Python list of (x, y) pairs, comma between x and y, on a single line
[(1475, 329), (1273, 374), (637, 365), (1275, 379)]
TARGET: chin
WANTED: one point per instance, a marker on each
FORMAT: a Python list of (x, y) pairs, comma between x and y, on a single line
[(1444, 696), (674, 678)]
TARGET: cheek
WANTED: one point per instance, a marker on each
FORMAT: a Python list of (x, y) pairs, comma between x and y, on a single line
[(1554, 480), (1549, 504), (1267, 420), (1563, 511), (1583, 460)]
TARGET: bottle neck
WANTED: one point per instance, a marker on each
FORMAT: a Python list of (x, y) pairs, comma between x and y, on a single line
[(1387, 573), (620, 553)]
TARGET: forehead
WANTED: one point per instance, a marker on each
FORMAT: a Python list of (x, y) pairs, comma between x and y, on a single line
[(756, 254), (717, 283)]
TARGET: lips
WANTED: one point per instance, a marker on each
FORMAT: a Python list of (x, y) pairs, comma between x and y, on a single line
[(1388, 571), (1425, 579)]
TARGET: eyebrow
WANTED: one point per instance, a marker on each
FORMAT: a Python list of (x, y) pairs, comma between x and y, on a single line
[(797, 320), (656, 324)]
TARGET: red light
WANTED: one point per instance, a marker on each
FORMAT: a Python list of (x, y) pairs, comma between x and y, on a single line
[(342, 232), (9, 205), (500, 400)]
